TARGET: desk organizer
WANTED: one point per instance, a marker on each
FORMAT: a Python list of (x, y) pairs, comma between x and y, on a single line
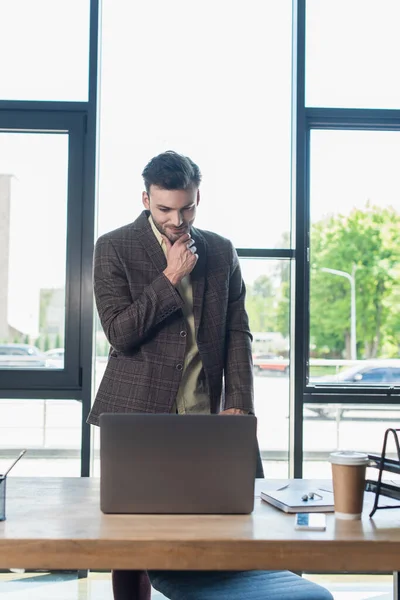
[(390, 465)]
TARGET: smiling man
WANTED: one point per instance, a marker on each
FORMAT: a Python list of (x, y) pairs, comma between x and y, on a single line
[(171, 301)]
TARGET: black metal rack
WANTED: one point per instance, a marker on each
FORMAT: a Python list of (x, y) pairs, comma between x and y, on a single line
[(383, 463)]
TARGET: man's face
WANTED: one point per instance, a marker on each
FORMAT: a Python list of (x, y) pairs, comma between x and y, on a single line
[(173, 211)]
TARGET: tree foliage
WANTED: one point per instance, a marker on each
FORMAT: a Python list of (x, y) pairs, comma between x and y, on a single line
[(267, 301), (369, 240), (366, 240)]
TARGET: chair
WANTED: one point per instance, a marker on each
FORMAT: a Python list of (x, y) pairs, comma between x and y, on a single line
[(236, 585)]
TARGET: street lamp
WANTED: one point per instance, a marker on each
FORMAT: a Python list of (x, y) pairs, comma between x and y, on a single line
[(352, 279)]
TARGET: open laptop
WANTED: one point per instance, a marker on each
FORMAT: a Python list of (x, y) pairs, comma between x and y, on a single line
[(168, 463)]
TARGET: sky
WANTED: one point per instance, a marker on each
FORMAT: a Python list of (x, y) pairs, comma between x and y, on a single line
[(211, 80)]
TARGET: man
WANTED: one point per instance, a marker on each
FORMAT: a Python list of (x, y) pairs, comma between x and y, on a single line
[(171, 301)]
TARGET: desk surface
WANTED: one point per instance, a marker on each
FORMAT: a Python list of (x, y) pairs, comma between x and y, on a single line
[(56, 523)]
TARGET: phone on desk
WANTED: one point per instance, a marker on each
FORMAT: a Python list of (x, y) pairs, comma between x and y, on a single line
[(310, 521)]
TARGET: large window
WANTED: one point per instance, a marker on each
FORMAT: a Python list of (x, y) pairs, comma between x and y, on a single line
[(352, 53), (349, 182), (358, 426), (210, 80), (268, 304), (44, 46), (33, 181), (213, 83), (41, 208), (47, 157), (50, 431), (354, 258)]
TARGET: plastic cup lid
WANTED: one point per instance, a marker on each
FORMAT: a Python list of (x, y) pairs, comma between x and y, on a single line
[(348, 457)]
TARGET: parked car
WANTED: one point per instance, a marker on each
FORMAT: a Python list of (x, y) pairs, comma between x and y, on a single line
[(268, 362), (21, 356), (376, 373), (366, 373)]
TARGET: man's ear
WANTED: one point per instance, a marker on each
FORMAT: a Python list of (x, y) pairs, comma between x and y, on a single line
[(198, 197), (146, 200)]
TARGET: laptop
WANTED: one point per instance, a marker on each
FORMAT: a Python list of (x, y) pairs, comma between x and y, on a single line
[(177, 464)]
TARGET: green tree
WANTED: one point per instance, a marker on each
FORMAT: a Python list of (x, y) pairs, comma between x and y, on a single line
[(267, 302), (283, 308), (391, 329), (260, 304), (263, 287), (282, 275), (46, 345), (368, 239), (58, 342)]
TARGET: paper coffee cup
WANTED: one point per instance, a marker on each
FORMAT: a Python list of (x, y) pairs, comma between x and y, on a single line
[(348, 476)]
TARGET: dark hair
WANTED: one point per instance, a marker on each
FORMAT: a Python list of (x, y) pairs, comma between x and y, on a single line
[(171, 171)]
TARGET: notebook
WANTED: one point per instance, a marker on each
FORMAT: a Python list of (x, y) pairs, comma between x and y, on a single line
[(290, 500)]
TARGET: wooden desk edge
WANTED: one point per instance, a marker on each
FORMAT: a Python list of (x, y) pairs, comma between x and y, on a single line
[(324, 556)]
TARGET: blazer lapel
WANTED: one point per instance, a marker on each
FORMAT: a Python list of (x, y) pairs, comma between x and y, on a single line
[(150, 243), (198, 277)]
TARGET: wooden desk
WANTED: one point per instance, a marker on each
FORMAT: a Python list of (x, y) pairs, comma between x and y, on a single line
[(56, 523)]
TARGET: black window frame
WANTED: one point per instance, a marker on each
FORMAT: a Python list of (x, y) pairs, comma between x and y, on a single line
[(79, 288), (341, 119), (305, 119), (22, 119)]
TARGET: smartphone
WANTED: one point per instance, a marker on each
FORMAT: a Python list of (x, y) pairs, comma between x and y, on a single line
[(310, 521)]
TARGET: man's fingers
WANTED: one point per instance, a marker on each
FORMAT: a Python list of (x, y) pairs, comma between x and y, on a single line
[(184, 239), (193, 249)]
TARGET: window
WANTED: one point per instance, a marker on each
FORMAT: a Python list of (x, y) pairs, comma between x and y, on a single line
[(41, 207), (33, 181), (267, 304), (50, 430), (352, 50), (354, 255), (196, 90), (45, 50), (335, 426), (225, 103)]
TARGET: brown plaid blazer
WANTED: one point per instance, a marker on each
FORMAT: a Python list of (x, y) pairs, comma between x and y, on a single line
[(141, 315)]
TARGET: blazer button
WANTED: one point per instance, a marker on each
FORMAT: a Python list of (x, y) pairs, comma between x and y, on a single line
[(179, 367), (183, 334)]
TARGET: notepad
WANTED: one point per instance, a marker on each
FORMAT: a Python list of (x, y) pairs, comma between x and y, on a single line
[(290, 500)]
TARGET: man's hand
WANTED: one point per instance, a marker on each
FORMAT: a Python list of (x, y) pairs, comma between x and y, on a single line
[(181, 258), (233, 411)]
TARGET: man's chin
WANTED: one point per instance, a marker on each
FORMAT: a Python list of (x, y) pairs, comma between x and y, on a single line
[(173, 237)]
